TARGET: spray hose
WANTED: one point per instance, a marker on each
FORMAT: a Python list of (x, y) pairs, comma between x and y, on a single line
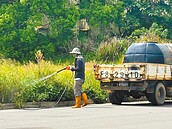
[(63, 91), (46, 77)]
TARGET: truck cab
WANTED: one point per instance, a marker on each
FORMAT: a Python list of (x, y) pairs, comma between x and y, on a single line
[(145, 71)]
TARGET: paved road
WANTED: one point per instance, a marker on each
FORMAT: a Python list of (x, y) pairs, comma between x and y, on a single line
[(134, 115)]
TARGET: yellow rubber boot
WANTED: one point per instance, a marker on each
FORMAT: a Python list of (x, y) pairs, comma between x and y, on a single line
[(84, 97), (77, 102)]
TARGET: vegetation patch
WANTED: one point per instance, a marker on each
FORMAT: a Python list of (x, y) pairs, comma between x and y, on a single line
[(19, 83)]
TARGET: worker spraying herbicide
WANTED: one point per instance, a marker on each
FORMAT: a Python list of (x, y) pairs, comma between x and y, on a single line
[(79, 79)]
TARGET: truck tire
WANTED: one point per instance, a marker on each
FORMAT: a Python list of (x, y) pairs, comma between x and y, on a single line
[(116, 97), (158, 97)]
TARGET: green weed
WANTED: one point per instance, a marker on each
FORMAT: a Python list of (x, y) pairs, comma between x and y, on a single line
[(19, 83)]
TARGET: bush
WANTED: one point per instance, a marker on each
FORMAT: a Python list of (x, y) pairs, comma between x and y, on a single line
[(92, 88), (112, 51), (19, 83)]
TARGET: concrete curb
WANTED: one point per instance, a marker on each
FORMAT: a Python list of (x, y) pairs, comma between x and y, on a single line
[(40, 104)]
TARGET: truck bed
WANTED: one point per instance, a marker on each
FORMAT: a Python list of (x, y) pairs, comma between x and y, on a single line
[(132, 72)]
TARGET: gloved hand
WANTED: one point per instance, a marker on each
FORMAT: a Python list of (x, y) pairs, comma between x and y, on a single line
[(69, 67)]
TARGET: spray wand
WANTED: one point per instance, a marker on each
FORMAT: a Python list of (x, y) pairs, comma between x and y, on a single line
[(46, 77)]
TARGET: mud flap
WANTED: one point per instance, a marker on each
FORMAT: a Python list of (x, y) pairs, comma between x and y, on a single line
[(151, 87)]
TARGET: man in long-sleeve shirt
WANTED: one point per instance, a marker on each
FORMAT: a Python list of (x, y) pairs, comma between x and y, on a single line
[(79, 69)]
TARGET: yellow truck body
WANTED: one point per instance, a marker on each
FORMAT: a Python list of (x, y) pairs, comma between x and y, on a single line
[(136, 79)]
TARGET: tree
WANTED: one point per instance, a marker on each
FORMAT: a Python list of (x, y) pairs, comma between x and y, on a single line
[(102, 17), (142, 13), (19, 20)]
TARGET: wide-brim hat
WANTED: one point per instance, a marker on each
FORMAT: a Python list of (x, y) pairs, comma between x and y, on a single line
[(75, 51)]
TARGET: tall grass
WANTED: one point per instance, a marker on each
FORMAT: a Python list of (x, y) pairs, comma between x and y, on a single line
[(112, 51), (19, 83)]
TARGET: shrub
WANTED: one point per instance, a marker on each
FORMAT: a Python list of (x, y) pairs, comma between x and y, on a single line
[(19, 83), (92, 88), (112, 51)]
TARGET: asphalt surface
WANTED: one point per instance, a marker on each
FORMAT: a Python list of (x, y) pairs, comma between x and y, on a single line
[(133, 115)]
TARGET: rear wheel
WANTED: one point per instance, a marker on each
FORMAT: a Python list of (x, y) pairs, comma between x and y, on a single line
[(158, 97), (116, 97)]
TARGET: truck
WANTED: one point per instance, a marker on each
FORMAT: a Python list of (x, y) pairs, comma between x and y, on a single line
[(146, 71)]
